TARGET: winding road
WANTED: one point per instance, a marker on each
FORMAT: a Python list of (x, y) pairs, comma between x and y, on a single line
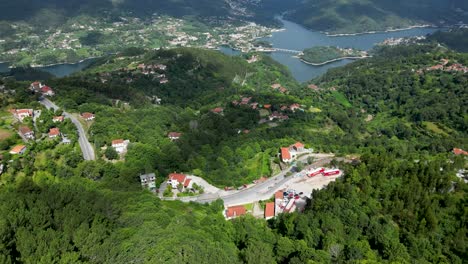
[(86, 147), (260, 191)]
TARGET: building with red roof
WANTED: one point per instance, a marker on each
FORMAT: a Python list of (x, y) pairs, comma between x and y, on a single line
[(46, 90), (285, 155), (458, 151), (88, 116), (174, 179), (21, 114), (54, 132), (298, 146), (235, 211), (26, 132), (120, 145), (19, 149), (279, 195), (269, 210), (217, 110), (174, 135)]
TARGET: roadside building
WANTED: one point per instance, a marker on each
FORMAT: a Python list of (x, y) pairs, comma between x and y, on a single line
[(148, 181), (234, 211), (59, 119), (47, 91), (286, 155), (269, 210), (87, 116), (217, 110), (21, 114), (176, 179)]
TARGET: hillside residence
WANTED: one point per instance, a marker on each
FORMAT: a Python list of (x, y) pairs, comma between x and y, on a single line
[(288, 154), (148, 181), (234, 211), (19, 149), (120, 145), (252, 59), (54, 132), (87, 116), (269, 210), (59, 119), (175, 179), (279, 116), (276, 86), (36, 86), (458, 151), (21, 114), (217, 110), (26, 132), (47, 91), (174, 135)]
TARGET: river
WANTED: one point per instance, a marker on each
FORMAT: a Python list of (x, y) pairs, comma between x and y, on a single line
[(294, 37), (59, 70)]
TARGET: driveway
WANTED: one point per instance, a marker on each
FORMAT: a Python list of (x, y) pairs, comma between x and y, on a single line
[(86, 147)]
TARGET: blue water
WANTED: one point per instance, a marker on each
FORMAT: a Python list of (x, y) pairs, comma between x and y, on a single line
[(297, 37), (59, 70)]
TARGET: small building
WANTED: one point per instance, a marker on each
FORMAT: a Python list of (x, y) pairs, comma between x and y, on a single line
[(21, 114), (294, 107), (47, 91), (175, 179), (235, 211), (276, 86), (269, 210), (54, 132), (217, 110), (36, 86), (148, 181), (298, 147), (19, 149), (286, 155), (458, 151), (59, 119), (26, 132), (87, 116), (174, 135), (120, 145)]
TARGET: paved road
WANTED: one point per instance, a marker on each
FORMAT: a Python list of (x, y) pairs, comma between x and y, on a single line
[(86, 148), (261, 191)]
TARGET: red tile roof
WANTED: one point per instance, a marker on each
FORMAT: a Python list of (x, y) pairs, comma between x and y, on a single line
[(174, 134), (45, 89), (54, 132), (25, 130), (267, 106), (269, 209), (117, 141), (458, 151), (87, 115), (217, 110), (180, 178), (298, 145), (235, 211), (279, 195), (17, 149), (187, 182), (285, 153)]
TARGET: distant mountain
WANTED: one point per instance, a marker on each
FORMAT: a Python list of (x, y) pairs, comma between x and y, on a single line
[(26, 9), (352, 16)]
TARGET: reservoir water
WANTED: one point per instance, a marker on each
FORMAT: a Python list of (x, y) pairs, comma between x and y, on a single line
[(59, 70), (293, 37), (297, 37)]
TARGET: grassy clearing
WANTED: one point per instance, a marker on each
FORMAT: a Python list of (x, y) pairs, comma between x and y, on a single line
[(4, 134), (341, 99), (434, 128)]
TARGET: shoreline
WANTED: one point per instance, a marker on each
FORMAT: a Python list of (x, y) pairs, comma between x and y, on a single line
[(328, 34), (334, 60)]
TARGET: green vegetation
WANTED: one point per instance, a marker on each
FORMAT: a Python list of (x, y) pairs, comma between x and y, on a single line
[(399, 203), (324, 54), (456, 39), (357, 16)]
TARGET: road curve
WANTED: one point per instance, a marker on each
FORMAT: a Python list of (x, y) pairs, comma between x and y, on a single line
[(86, 148), (260, 191)]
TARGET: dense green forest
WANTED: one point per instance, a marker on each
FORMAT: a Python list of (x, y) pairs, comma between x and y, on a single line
[(354, 16), (399, 203), (456, 39)]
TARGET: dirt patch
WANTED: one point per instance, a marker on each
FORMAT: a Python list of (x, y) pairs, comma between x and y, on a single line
[(4, 134)]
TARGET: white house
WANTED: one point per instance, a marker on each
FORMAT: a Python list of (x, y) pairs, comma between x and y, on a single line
[(120, 145), (148, 180), (176, 178)]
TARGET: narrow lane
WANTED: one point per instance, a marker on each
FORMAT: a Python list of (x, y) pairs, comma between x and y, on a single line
[(86, 147)]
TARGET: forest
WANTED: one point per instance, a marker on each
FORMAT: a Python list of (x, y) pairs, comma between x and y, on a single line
[(399, 203)]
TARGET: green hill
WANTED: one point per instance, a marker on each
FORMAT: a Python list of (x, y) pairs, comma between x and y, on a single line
[(355, 16)]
